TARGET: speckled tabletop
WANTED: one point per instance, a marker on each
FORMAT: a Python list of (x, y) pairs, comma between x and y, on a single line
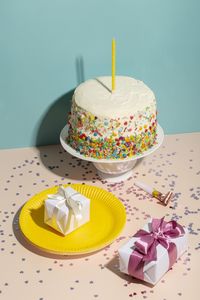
[(28, 273)]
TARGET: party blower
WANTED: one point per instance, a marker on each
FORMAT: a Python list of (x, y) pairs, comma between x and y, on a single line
[(163, 198)]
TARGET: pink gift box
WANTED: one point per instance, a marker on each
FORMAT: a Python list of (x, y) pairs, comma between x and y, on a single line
[(152, 251)]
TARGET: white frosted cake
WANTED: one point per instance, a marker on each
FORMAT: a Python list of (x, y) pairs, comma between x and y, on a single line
[(112, 125)]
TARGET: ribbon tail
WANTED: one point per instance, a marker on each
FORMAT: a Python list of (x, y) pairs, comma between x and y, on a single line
[(172, 250), (136, 265)]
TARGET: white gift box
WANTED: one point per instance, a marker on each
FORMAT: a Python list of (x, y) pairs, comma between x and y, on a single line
[(153, 270), (67, 210)]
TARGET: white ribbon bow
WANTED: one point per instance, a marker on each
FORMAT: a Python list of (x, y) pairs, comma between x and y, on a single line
[(64, 198)]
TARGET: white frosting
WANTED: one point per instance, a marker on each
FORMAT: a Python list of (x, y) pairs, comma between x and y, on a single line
[(129, 97)]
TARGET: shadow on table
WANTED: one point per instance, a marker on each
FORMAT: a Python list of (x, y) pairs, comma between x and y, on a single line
[(58, 161), (34, 249), (113, 266)]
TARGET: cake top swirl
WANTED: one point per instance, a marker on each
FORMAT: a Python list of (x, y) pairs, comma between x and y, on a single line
[(130, 96)]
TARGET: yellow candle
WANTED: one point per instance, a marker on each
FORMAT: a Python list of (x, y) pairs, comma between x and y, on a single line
[(113, 65)]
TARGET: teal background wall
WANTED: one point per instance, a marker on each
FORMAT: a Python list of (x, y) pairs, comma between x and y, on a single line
[(48, 47)]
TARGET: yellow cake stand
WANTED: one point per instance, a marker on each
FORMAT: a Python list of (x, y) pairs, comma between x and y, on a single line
[(107, 219)]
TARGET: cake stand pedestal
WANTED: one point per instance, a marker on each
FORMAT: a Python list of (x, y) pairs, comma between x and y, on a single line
[(113, 170), (114, 177)]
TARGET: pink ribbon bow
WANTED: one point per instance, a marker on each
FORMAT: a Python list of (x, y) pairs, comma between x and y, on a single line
[(145, 247)]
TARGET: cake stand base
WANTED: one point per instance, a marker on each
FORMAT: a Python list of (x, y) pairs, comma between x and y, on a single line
[(114, 177), (115, 171)]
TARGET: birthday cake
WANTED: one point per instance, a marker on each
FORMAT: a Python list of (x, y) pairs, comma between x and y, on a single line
[(112, 124)]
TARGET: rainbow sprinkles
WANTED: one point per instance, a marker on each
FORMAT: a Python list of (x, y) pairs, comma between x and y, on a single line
[(106, 125)]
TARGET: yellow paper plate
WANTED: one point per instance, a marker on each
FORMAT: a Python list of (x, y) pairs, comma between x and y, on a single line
[(107, 219)]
